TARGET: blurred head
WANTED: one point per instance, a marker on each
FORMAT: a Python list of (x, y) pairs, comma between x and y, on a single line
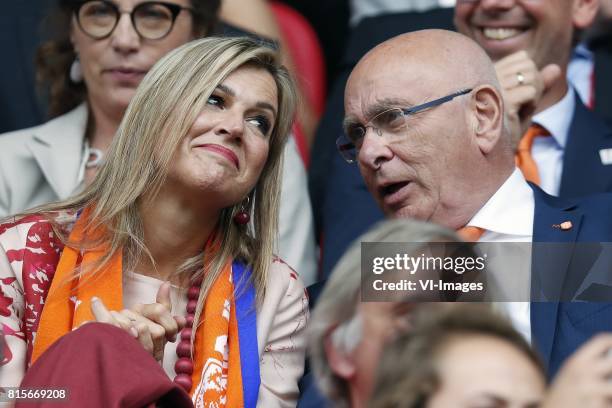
[(439, 164), (459, 355), (116, 42), (544, 28), (209, 123), (347, 336), (601, 28), (605, 10)]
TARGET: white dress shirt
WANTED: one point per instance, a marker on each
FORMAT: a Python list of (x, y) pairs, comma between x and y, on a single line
[(548, 151), (580, 70), (508, 217)]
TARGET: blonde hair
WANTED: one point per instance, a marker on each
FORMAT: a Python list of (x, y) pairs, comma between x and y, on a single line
[(166, 104)]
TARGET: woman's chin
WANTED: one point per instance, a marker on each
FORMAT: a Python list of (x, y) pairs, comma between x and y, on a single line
[(116, 100)]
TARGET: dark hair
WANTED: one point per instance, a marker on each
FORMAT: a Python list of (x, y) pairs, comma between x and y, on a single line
[(55, 56), (407, 375)]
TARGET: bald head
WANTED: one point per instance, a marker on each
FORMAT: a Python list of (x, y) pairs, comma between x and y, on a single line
[(440, 163), (444, 56)]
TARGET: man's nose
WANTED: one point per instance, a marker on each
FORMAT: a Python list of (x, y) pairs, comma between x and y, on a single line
[(374, 150)]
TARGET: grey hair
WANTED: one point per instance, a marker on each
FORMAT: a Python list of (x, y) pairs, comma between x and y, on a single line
[(337, 305)]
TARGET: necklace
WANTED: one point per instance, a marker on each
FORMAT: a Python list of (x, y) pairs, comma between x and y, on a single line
[(95, 158), (184, 365)]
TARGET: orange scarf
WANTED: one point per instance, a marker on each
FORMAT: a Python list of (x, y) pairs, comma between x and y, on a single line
[(217, 379)]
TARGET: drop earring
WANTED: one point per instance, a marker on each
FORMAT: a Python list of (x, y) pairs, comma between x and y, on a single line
[(76, 73), (242, 217)]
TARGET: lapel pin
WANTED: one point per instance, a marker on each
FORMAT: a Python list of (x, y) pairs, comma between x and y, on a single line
[(564, 226), (606, 156)]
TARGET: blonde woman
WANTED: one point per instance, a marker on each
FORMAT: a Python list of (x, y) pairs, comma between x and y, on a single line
[(197, 154), (99, 54)]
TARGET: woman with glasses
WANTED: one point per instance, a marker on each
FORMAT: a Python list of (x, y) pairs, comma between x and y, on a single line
[(101, 51), (160, 246)]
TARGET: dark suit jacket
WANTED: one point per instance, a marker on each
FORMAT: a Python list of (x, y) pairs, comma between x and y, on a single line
[(583, 171), (559, 328), (602, 58)]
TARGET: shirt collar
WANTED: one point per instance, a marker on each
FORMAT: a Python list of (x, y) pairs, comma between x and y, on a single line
[(557, 118), (510, 210), (582, 51)]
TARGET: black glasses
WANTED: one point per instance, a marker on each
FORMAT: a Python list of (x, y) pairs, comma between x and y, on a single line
[(152, 20), (390, 121)]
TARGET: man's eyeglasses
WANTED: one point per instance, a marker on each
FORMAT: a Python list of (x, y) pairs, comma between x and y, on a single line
[(390, 121), (152, 20)]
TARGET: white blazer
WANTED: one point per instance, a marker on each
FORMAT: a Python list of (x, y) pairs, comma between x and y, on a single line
[(46, 163)]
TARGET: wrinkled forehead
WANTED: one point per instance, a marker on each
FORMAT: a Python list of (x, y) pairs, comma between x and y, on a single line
[(374, 87)]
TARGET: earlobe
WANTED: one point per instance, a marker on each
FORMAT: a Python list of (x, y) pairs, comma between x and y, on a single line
[(339, 362), (584, 12), (487, 117)]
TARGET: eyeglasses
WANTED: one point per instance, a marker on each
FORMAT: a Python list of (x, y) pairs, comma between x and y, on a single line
[(391, 121), (152, 20)]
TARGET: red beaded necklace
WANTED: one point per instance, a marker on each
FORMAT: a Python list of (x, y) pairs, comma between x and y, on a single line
[(184, 365)]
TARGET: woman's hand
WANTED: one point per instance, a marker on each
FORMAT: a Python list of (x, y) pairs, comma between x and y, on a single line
[(152, 324)]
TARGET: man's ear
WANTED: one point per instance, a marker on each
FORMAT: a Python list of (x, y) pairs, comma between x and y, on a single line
[(340, 363), (487, 117), (584, 12)]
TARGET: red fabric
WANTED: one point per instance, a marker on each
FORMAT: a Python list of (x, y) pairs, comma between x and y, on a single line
[(591, 104), (307, 55), (102, 366), (40, 257)]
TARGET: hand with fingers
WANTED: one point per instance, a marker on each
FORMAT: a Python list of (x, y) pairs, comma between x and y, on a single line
[(585, 380), (523, 86), (152, 324)]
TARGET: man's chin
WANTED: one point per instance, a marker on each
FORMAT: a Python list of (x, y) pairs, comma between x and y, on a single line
[(404, 212)]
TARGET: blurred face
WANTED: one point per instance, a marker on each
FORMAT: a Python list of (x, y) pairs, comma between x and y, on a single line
[(381, 321), (543, 28), (226, 148), (114, 66), (414, 173), (485, 372)]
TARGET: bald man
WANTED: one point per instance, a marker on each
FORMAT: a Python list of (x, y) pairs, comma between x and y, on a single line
[(425, 124)]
